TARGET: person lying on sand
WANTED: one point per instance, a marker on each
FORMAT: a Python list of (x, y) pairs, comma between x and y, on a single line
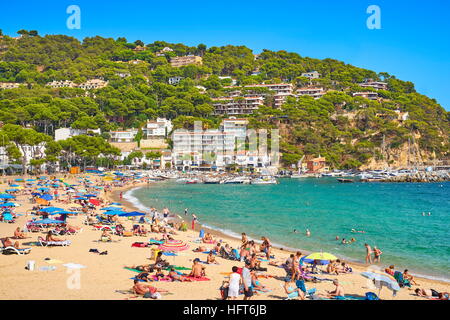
[(143, 268), (431, 293), (144, 276), (18, 234), (200, 249), (141, 289), (198, 270), (178, 277)]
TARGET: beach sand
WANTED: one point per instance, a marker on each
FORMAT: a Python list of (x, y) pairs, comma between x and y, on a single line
[(105, 277)]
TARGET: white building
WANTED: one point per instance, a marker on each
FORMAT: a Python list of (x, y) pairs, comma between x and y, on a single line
[(123, 136), (93, 84), (237, 106), (9, 85), (237, 127), (368, 95), (378, 85), (158, 128), (311, 75), (66, 133), (175, 80), (61, 84), (316, 93)]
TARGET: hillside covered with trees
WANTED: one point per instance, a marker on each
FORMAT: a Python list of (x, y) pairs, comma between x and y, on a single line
[(349, 131)]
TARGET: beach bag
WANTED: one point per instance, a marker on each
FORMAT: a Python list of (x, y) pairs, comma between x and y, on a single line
[(371, 296), (224, 292)]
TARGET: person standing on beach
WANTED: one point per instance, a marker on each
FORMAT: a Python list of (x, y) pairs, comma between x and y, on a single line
[(368, 253), (194, 220), (376, 254), (247, 281), (186, 211)]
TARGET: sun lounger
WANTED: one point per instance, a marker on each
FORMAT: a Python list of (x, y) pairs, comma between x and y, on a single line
[(45, 243), (13, 250)]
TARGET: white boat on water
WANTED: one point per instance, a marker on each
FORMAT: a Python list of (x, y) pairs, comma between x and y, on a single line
[(238, 180), (264, 180)]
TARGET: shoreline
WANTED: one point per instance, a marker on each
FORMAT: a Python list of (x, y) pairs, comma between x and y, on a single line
[(277, 248)]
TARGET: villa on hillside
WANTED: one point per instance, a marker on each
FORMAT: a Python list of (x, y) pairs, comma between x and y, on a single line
[(378, 85), (316, 93), (311, 75), (237, 106), (66, 133), (9, 85), (368, 95)]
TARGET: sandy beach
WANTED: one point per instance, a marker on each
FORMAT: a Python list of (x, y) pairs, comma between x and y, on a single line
[(104, 276)]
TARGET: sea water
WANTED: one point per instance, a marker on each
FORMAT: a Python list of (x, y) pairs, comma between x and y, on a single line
[(391, 214)]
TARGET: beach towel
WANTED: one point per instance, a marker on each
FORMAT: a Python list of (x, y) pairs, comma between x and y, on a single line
[(198, 279), (154, 241), (53, 261), (171, 254), (139, 245), (71, 265)]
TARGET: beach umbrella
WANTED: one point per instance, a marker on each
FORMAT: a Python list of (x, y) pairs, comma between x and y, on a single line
[(47, 221), (19, 180), (323, 257), (31, 179), (12, 190), (41, 201), (95, 202), (15, 185), (113, 213), (131, 214), (7, 196), (111, 208), (173, 245), (90, 195), (382, 280), (51, 209), (116, 204), (8, 204), (46, 197), (43, 189)]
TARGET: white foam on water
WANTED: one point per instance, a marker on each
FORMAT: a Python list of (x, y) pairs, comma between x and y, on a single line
[(128, 196)]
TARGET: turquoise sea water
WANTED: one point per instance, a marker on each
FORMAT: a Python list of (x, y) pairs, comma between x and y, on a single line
[(391, 215)]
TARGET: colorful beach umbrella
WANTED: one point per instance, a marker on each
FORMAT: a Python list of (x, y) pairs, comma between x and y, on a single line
[(323, 257), (173, 245), (382, 280)]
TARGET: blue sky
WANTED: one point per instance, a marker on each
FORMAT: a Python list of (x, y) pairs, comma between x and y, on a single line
[(413, 43)]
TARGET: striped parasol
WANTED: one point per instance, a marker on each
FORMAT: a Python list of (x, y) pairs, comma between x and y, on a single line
[(173, 245)]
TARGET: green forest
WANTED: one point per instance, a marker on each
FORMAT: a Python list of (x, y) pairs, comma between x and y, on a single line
[(311, 127)]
